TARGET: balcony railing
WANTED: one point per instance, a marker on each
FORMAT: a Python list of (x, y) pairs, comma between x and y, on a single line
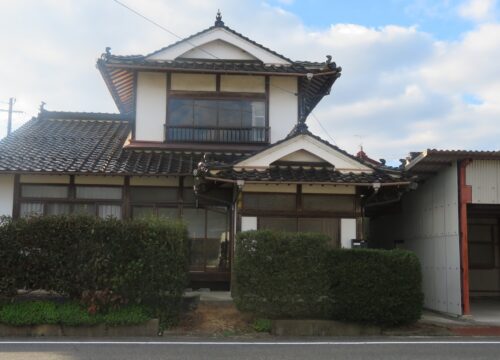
[(251, 135)]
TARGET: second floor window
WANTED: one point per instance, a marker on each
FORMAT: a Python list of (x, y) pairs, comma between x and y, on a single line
[(216, 120)]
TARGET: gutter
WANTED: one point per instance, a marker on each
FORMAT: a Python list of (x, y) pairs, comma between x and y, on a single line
[(210, 71), (400, 183)]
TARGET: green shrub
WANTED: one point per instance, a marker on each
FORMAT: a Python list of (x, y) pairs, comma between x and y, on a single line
[(375, 286), (262, 325), (29, 313), (128, 315), (140, 261), (73, 314), (10, 256), (69, 313), (281, 275), (294, 275)]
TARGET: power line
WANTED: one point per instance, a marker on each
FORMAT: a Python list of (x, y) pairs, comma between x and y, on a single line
[(323, 128), (162, 27), (11, 110), (186, 40)]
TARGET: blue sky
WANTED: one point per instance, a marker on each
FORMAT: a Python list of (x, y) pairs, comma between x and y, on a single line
[(440, 18), (416, 74)]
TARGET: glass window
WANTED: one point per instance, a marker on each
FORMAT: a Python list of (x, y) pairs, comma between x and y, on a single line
[(168, 213), (216, 113), (31, 209), (180, 112), (188, 195), (230, 113), (141, 212), (145, 194), (205, 113), (105, 211), (57, 209), (197, 254), (98, 192), (84, 209), (217, 227), (44, 191), (258, 114), (195, 220)]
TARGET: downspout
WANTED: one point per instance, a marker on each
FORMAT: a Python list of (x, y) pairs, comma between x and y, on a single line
[(464, 197), (234, 209)]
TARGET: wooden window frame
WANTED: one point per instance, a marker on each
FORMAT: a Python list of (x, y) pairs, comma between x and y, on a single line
[(219, 95)]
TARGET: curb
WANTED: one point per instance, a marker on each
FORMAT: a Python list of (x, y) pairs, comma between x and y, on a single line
[(149, 328)]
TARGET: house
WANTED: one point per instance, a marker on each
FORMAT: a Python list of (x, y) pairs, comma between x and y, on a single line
[(212, 130), (451, 221)]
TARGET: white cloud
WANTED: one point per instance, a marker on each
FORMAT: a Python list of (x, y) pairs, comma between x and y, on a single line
[(477, 10)]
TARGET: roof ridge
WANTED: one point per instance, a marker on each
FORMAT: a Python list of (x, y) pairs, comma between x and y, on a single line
[(80, 115), (213, 27)]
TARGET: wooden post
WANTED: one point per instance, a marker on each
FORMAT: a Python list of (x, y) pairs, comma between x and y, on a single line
[(465, 197)]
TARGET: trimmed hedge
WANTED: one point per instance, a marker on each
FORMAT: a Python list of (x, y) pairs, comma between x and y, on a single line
[(281, 275), (138, 261), (294, 275), (376, 286)]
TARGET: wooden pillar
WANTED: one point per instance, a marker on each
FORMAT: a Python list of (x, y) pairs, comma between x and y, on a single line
[(17, 194), (465, 197), (126, 210)]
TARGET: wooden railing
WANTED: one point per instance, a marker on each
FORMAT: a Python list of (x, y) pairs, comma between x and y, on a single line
[(250, 135)]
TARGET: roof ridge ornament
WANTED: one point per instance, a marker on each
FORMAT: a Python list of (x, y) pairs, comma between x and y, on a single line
[(218, 19)]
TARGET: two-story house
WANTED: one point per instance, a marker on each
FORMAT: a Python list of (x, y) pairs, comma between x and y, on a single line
[(211, 130)]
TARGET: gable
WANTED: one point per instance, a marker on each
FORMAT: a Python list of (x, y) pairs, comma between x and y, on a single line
[(302, 156), (306, 147), (220, 49), (221, 41)]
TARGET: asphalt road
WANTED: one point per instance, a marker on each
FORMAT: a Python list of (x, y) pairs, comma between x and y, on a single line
[(338, 348)]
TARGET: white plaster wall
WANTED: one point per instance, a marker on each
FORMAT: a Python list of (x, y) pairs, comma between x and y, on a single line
[(99, 180), (347, 232), (154, 181), (151, 106), (283, 106), (193, 82), (429, 226), (242, 83), (328, 189), (248, 223), (271, 188), (45, 179), (220, 49), (182, 48), (6, 194)]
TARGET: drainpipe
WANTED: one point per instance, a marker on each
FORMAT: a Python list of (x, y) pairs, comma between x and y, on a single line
[(464, 197), (234, 208)]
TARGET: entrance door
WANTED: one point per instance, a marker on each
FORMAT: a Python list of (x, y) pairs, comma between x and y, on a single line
[(209, 232)]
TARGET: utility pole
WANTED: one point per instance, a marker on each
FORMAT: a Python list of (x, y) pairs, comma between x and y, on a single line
[(11, 110)]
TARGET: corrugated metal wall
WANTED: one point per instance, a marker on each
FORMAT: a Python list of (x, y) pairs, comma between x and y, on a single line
[(483, 176), (429, 226)]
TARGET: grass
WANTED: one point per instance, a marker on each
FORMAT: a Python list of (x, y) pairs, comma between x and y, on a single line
[(69, 313)]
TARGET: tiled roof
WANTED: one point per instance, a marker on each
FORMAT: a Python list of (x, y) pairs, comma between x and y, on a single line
[(291, 173), (63, 142), (227, 28), (226, 66), (119, 74)]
